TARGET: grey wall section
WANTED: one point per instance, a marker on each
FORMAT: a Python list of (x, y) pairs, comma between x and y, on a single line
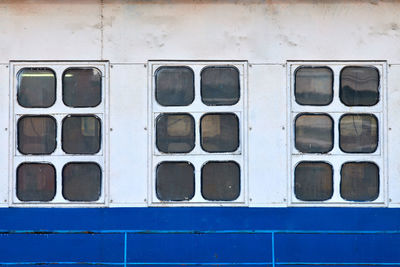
[(258, 31)]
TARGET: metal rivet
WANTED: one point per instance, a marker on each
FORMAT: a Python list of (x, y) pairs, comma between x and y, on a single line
[(111, 129), (145, 128)]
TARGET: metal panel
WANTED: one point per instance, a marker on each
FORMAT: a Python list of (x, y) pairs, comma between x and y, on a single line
[(4, 132)]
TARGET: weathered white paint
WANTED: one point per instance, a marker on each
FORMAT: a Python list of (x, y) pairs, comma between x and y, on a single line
[(266, 33)]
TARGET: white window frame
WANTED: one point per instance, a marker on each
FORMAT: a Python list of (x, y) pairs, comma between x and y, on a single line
[(335, 110), (59, 111), (197, 156)]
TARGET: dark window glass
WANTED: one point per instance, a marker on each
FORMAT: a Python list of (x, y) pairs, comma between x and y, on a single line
[(36, 182), (359, 86), (81, 181), (175, 133), (220, 86), (314, 86), (220, 181), (82, 87), (358, 133), (220, 132), (314, 133), (313, 181), (36, 88), (360, 181), (175, 181), (174, 86), (81, 134), (36, 135)]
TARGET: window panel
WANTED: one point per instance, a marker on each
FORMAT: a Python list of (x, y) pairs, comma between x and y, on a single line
[(359, 86), (314, 133), (220, 132), (175, 133), (81, 134), (175, 181), (36, 135), (36, 182), (220, 181), (82, 87), (81, 181), (313, 181), (174, 86), (358, 133), (36, 87), (220, 86), (360, 181), (314, 86)]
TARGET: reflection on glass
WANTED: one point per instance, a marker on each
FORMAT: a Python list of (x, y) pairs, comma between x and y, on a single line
[(36, 182), (175, 181), (220, 132), (220, 86), (314, 86), (36, 135), (359, 86), (175, 133), (174, 86), (313, 181), (358, 133), (360, 181), (314, 133), (82, 87), (36, 88), (81, 134), (81, 181), (220, 181)]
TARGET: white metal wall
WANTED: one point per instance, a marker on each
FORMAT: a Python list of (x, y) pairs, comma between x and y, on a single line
[(128, 33)]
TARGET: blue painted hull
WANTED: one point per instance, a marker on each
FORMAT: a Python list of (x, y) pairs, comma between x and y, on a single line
[(200, 236)]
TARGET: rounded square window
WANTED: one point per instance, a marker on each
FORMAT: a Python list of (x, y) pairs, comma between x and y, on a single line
[(314, 133), (220, 86), (175, 181), (359, 86), (359, 181), (358, 133), (36, 182), (175, 133), (220, 181), (174, 86), (313, 86), (313, 181), (81, 181), (81, 134), (37, 135), (81, 87), (219, 132), (36, 87)]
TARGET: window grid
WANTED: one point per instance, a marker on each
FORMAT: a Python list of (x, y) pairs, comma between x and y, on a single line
[(58, 111), (336, 157), (198, 157)]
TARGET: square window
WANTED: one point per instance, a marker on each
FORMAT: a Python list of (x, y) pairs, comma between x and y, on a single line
[(36, 135), (81, 134), (174, 86), (314, 133), (220, 86), (313, 181), (220, 132), (220, 181), (175, 133), (81, 181), (313, 86), (359, 86), (82, 87), (360, 181), (358, 133), (175, 181), (36, 182), (36, 87)]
